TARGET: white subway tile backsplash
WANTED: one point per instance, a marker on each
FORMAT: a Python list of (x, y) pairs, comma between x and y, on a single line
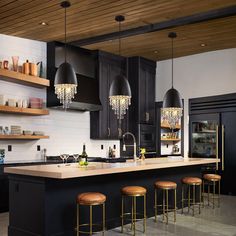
[(67, 130)]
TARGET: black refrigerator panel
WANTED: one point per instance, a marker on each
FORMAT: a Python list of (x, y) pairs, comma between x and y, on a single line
[(228, 153)]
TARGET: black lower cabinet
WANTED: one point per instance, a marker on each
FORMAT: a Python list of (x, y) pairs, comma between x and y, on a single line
[(4, 202)]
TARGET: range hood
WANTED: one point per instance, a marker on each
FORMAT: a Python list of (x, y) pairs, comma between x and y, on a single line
[(86, 99), (83, 62)]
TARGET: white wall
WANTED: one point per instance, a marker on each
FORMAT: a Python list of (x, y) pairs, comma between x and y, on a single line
[(67, 130), (200, 75)]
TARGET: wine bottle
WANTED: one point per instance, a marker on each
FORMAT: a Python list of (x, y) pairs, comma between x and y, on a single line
[(84, 155)]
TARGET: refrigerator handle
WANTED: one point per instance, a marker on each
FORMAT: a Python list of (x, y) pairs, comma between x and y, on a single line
[(217, 146), (223, 148)]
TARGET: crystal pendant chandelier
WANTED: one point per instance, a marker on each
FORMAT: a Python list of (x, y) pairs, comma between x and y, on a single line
[(65, 82), (172, 109), (120, 92)]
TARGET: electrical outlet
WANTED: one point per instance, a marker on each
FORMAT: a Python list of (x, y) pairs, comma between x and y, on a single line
[(102, 147), (38, 148), (9, 148)]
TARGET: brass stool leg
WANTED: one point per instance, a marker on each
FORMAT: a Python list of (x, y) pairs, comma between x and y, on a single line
[(167, 206), (103, 218), (193, 198), (219, 194), (175, 207), (214, 191), (91, 220), (188, 198), (122, 214), (134, 215), (208, 195), (77, 219), (182, 198), (163, 206), (155, 199), (144, 213), (200, 198), (203, 192)]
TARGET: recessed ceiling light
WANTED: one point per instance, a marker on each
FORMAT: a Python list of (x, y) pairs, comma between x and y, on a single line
[(155, 51), (203, 45), (43, 23)]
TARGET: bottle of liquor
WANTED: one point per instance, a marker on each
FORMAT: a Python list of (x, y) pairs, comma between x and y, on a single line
[(84, 155)]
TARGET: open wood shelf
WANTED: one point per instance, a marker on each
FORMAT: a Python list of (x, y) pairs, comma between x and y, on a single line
[(20, 78), (22, 137), (24, 111), (164, 125), (171, 139)]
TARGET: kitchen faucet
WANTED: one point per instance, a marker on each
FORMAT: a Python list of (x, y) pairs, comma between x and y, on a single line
[(134, 145)]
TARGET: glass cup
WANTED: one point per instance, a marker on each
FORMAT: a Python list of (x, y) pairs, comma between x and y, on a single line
[(64, 157)]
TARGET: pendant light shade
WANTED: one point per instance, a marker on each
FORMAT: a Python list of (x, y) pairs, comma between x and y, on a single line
[(120, 96), (172, 109), (65, 82), (120, 92)]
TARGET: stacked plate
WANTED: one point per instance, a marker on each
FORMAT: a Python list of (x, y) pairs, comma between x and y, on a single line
[(38, 133), (15, 130), (36, 103), (27, 132)]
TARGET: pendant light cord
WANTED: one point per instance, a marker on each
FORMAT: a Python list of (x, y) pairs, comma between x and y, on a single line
[(65, 37), (172, 61), (119, 38)]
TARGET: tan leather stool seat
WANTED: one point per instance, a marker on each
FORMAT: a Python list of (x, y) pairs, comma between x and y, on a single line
[(192, 180), (212, 177), (91, 198), (133, 190), (166, 185)]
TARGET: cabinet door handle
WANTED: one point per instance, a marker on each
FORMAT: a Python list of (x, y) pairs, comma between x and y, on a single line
[(147, 116), (109, 132), (119, 132), (217, 147), (223, 148)]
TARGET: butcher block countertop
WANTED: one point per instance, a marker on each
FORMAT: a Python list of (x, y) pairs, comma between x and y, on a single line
[(73, 170)]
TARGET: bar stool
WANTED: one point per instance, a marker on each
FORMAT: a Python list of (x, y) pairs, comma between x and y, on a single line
[(191, 182), (91, 199), (165, 186), (208, 180), (133, 192)]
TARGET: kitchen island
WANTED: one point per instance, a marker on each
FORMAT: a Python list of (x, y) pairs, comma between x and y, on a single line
[(43, 197)]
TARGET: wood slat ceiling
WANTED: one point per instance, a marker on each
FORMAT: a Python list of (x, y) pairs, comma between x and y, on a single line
[(89, 18)]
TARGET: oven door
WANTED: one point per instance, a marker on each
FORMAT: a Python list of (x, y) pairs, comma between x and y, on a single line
[(147, 134)]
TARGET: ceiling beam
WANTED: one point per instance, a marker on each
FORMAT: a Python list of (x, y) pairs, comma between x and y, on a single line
[(192, 19)]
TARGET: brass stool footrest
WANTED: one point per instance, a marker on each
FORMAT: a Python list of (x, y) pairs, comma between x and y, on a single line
[(87, 232), (130, 219)]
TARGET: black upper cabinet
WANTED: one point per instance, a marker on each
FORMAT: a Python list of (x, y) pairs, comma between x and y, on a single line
[(142, 73), (104, 124)]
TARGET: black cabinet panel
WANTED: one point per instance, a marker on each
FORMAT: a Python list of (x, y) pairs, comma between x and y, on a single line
[(228, 155), (220, 110), (104, 124)]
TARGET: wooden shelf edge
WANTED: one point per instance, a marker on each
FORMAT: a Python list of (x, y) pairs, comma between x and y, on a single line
[(25, 111), (22, 137), (168, 127), (20, 78), (171, 139)]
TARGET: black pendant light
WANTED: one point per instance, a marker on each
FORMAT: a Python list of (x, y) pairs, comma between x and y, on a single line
[(120, 92), (172, 102), (65, 79)]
